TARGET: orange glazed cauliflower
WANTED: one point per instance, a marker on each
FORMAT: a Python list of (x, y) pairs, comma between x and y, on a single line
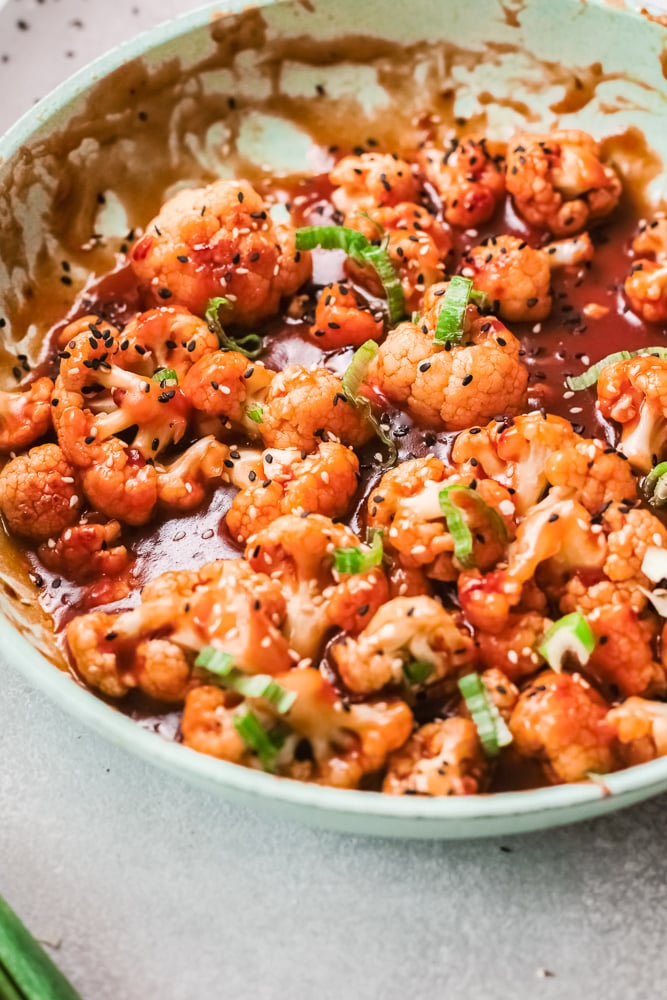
[(342, 319), (86, 551), (634, 394), (468, 178), (451, 389), (558, 180), (561, 720), (441, 758), (38, 493), (287, 482), (219, 241), (646, 285), (641, 728), (340, 743), (299, 552), (26, 415), (372, 180), (409, 641)]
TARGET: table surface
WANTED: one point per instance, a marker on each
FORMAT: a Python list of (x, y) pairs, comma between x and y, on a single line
[(142, 887)]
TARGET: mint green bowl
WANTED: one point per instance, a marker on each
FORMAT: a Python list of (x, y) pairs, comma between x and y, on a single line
[(163, 101)]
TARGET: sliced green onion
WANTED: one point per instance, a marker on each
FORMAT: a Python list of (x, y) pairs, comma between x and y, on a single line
[(165, 376), (417, 671), (654, 486), (355, 560), (480, 299), (592, 374), (256, 414), (215, 661), (250, 345), (257, 738), (223, 666), (415, 317), (571, 635), (491, 727), (353, 377), (364, 253), (451, 319), (378, 226), (457, 526), (26, 971)]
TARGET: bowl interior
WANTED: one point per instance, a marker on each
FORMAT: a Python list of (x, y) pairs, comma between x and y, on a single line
[(269, 90)]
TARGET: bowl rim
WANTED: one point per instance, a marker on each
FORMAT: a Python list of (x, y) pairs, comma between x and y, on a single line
[(252, 785)]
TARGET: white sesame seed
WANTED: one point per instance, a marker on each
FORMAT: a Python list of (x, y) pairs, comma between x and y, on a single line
[(512, 656), (537, 328)]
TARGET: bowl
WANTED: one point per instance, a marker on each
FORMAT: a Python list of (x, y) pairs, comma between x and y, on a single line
[(270, 87)]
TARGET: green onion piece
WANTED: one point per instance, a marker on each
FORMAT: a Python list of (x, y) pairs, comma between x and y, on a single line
[(355, 560), (215, 661), (256, 737), (262, 686), (415, 317), (451, 319), (165, 376), (353, 377), (480, 299), (362, 252), (654, 486), (26, 971), (250, 345), (491, 726), (456, 523), (569, 635), (417, 671), (256, 414), (592, 374)]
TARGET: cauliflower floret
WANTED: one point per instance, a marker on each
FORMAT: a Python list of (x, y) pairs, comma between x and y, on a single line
[(26, 415), (405, 505), (371, 180), (502, 692), (630, 532), (226, 385), (219, 240), (318, 740), (582, 595), (38, 493), (224, 604), (646, 285), (558, 181), (404, 631), (561, 720), (287, 482), (86, 551), (342, 319), (299, 553), (455, 388), (593, 472), (623, 658), (469, 179), (634, 393), (169, 337), (515, 649), (441, 758), (517, 277), (305, 407), (641, 728), (183, 484)]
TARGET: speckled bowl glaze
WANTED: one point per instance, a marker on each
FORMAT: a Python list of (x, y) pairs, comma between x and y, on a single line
[(513, 61)]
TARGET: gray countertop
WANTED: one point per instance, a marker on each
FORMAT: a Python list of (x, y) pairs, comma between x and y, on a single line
[(142, 887)]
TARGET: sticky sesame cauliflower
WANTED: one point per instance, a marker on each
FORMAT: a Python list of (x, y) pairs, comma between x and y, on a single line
[(320, 512)]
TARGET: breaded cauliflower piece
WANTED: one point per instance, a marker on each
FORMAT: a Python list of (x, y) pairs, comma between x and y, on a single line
[(341, 743), (25, 415), (623, 659), (641, 728), (634, 394), (304, 407), (441, 758), (558, 180), (404, 631), (517, 277), (646, 285), (515, 649), (289, 482), (216, 241), (343, 320), (86, 551), (405, 505), (224, 604), (372, 180), (561, 720), (469, 179), (39, 496), (456, 388), (298, 552)]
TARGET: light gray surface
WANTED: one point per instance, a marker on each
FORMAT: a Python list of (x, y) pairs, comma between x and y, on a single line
[(153, 890)]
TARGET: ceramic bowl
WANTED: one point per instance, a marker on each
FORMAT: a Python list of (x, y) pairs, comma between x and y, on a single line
[(212, 93)]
